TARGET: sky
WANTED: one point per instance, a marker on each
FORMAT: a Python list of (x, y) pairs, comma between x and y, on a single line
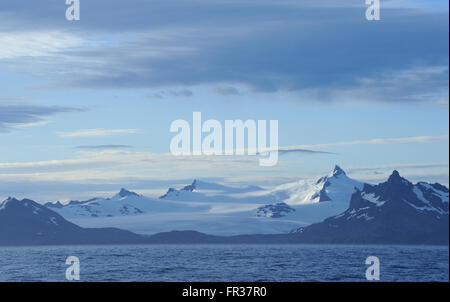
[(86, 106)]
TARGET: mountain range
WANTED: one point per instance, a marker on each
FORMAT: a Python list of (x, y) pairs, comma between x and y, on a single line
[(331, 209), (218, 209), (25, 222), (395, 211)]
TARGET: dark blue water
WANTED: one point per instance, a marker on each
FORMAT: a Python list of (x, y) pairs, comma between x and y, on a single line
[(225, 263)]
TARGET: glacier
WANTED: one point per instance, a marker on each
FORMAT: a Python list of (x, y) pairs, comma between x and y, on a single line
[(218, 209)]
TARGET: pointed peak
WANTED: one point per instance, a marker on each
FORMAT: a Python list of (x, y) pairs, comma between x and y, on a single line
[(192, 186), (124, 193), (58, 204), (396, 178), (14, 202), (338, 171), (171, 190), (395, 174), (10, 199)]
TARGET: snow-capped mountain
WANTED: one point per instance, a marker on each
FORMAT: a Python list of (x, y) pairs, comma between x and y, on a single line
[(218, 209), (124, 203), (277, 210), (25, 222), (312, 200), (336, 187), (395, 211), (202, 191), (32, 212)]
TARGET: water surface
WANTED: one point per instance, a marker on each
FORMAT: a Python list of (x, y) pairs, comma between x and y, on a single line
[(225, 263)]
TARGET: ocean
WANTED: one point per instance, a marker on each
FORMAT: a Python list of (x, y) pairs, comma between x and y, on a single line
[(292, 263)]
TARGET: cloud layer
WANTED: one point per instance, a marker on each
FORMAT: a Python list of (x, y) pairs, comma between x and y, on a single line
[(324, 52), (21, 115), (97, 132)]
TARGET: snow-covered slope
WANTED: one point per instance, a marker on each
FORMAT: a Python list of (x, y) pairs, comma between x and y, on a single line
[(124, 203), (218, 209), (201, 191), (336, 187), (395, 211), (25, 222), (313, 200)]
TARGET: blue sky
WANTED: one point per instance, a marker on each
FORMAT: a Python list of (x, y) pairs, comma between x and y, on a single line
[(86, 106)]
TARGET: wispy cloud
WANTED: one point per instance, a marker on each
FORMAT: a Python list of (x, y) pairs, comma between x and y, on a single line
[(227, 91), (102, 147), (26, 125), (97, 132), (428, 171), (182, 92), (27, 115), (375, 141), (35, 44), (397, 166), (288, 150), (108, 165), (114, 168), (440, 176)]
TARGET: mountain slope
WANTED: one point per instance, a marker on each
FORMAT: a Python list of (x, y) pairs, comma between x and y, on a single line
[(336, 187), (124, 203), (392, 212), (395, 211), (25, 222), (201, 191), (219, 209), (312, 200)]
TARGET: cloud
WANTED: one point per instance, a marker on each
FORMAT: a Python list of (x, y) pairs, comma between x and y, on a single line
[(182, 92), (163, 94), (97, 132), (440, 176), (104, 147), (12, 116), (35, 44), (120, 167), (152, 96), (306, 151), (376, 141), (405, 85), (226, 91), (112, 169), (397, 166), (415, 172), (107, 165), (308, 47)]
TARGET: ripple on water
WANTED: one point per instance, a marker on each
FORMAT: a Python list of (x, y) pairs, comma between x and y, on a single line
[(225, 263)]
